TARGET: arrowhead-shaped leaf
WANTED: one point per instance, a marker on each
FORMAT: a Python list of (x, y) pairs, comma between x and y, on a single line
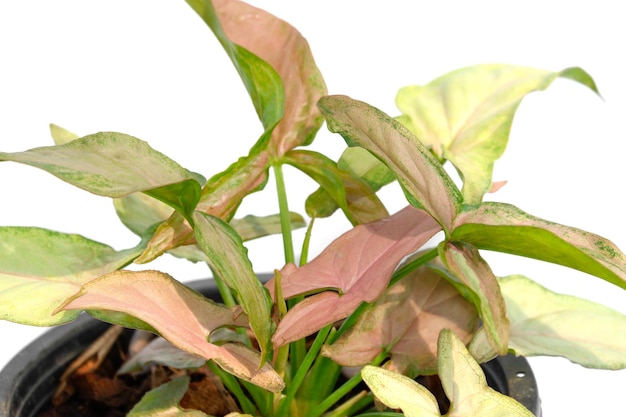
[(405, 321), (466, 264), (354, 268), (466, 386), (40, 269), (505, 228), (107, 163), (465, 116), (424, 180), (397, 391), (550, 324), (182, 316), (164, 400), (228, 258)]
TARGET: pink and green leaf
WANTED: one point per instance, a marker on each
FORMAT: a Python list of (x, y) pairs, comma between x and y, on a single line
[(353, 195), (356, 166), (505, 228), (228, 259), (40, 269), (424, 180), (353, 269), (277, 68), (467, 266), (182, 316), (405, 321), (465, 116)]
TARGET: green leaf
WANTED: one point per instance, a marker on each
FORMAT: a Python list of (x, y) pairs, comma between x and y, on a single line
[(182, 316), (40, 269), (60, 135), (405, 321), (424, 180), (466, 386), (505, 228), (398, 391), (182, 196), (355, 197), (550, 324), (253, 227), (164, 400), (108, 164), (228, 258), (465, 116), (466, 264)]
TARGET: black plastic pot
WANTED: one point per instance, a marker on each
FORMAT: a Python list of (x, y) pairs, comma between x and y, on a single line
[(30, 378)]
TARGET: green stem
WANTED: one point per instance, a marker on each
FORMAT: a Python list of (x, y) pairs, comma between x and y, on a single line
[(353, 405), (343, 390), (405, 269), (308, 360), (285, 220), (304, 255)]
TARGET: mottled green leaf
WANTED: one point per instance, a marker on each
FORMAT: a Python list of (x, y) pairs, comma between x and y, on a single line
[(505, 228), (109, 164), (424, 180), (40, 269), (465, 116), (550, 324)]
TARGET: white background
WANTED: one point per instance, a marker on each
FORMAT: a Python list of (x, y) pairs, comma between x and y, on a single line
[(153, 70)]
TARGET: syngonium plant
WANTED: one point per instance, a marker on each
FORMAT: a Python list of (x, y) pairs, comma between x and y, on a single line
[(377, 297)]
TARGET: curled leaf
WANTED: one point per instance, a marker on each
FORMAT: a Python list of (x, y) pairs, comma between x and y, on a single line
[(550, 324), (465, 116), (424, 180)]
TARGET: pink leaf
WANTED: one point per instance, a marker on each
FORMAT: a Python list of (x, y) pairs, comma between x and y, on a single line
[(182, 316), (406, 321), (355, 268), (288, 52)]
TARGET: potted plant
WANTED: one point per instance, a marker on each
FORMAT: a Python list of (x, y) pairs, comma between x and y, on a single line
[(442, 303)]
